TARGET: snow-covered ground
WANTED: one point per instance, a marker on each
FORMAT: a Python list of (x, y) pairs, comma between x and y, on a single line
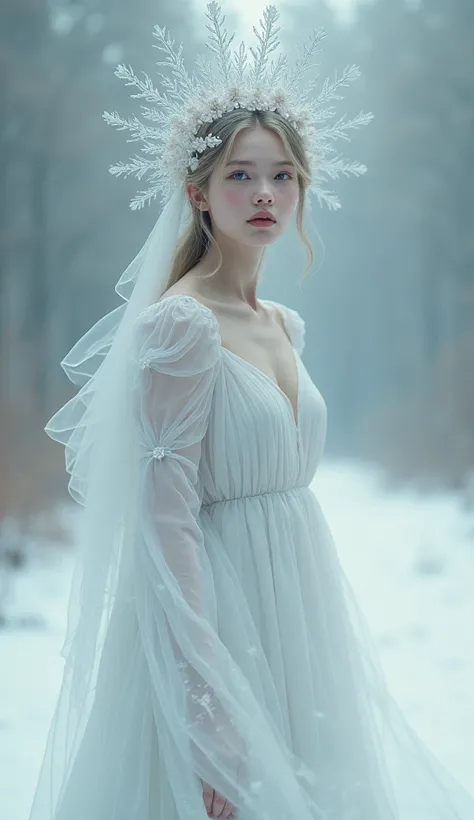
[(410, 560)]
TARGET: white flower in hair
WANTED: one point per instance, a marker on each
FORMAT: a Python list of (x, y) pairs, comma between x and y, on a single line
[(235, 79)]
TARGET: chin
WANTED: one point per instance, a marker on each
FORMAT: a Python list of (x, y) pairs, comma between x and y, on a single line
[(266, 239), (262, 241), (263, 236)]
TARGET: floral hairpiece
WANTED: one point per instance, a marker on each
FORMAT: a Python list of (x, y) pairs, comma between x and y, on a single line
[(238, 79)]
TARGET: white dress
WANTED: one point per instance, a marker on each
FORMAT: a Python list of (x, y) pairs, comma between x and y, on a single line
[(229, 525)]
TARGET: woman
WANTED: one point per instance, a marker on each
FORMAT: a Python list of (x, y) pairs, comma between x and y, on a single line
[(216, 660)]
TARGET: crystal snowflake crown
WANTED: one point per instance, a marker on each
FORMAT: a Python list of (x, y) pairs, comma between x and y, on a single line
[(236, 79)]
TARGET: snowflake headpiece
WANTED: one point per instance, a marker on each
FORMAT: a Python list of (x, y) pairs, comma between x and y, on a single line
[(235, 79)]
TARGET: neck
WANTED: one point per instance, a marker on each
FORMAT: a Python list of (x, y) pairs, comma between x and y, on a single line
[(237, 278)]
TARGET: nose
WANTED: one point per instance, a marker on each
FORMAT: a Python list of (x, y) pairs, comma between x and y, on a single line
[(263, 198)]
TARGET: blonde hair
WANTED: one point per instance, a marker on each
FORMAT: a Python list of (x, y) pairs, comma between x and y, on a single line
[(194, 243)]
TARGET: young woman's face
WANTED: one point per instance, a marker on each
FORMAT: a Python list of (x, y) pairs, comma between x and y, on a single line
[(259, 176)]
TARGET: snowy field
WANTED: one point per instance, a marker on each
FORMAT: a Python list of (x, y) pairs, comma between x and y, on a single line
[(410, 560)]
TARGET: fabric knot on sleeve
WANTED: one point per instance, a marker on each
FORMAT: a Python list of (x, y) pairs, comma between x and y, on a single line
[(146, 361), (159, 452)]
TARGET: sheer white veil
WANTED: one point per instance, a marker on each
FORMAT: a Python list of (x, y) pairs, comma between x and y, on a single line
[(96, 430)]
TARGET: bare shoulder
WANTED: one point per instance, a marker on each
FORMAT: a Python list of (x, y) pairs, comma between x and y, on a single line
[(185, 287)]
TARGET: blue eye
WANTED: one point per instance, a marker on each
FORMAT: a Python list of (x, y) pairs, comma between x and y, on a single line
[(232, 176)]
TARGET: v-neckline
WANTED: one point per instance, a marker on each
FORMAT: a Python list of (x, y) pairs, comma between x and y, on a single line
[(295, 416)]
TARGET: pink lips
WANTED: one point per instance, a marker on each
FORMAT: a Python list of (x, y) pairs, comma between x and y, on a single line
[(262, 219)]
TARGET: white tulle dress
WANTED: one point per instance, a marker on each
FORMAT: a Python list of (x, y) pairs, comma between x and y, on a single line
[(229, 528)]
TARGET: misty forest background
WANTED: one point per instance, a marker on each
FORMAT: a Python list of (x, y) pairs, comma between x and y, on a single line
[(389, 304)]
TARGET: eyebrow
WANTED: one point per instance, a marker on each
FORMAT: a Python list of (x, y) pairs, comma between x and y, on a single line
[(249, 162)]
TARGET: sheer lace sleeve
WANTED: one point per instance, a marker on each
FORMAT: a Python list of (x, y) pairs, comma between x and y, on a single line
[(177, 362)]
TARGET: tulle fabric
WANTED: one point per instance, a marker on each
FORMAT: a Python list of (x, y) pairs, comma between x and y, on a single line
[(98, 434)]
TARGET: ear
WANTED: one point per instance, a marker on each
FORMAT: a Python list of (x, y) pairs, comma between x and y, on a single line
[(197, 197)]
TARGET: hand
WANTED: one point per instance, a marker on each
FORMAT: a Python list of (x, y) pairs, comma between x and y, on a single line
[(216, 805)]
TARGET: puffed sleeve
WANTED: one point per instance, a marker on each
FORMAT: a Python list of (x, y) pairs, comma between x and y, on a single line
[(177, 357)]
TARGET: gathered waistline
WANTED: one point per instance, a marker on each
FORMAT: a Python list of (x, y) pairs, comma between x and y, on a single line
[(257, 495)]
